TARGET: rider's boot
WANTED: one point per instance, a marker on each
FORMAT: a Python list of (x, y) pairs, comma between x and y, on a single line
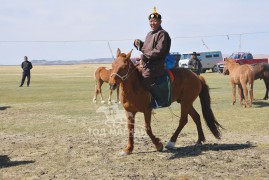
[(159, 99)]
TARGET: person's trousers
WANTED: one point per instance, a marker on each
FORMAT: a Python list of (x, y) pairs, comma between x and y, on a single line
[(155, 90), (24, 75)]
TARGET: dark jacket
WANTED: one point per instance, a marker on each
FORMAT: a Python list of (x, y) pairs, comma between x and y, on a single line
[(26, 66), (155, 49), (195, 64)]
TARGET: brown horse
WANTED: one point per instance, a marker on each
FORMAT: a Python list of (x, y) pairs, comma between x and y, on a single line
[(241, 75), (102, 75), (135, 98), (261, 71)]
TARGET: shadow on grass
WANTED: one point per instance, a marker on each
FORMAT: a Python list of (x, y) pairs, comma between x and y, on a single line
[(5, 162), (260, 104), (196, 150), (2, 108)]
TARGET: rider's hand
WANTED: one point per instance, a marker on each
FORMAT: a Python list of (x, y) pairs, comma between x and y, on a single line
[(138, 44)]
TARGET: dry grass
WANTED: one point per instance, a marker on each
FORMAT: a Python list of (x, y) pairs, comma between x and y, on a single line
[(45, 132)]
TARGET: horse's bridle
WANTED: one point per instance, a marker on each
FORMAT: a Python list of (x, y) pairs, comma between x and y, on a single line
[(123, 78)]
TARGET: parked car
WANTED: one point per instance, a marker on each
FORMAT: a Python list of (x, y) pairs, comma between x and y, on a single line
[(241, 58), (209, 60)]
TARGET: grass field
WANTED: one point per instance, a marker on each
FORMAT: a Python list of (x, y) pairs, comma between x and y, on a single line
[(52, 130)]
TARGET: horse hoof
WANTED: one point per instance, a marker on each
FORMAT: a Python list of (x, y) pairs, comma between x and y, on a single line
[(198, 143), (119, 102), (102, 101), (94, 101), (109, 103), (170, 145), (123, 153), (160, 147)]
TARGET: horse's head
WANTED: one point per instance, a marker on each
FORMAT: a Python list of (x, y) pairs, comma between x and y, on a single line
[(121, 67), (227, 62)]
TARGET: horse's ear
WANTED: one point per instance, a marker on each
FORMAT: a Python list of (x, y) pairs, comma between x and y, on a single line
[(129, 54), (118, 53)]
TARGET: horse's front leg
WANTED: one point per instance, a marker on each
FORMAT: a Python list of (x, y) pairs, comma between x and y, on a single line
[(109, 97), (130, 146), (234, 94), (118, 93), (156, 141)]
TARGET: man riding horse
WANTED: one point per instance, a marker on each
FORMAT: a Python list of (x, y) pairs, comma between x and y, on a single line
[(155, 48)]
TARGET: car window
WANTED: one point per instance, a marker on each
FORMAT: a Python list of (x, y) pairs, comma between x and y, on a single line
[(215, 54), (185, 56), (249, 56), (208, 55)]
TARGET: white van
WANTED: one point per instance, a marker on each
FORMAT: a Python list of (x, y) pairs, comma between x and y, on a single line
[(209, 59)]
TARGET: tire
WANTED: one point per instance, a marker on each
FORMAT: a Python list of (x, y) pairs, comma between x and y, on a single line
[(215, 69)]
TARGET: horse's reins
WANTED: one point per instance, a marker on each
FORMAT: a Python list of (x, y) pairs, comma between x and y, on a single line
[(123, 78)]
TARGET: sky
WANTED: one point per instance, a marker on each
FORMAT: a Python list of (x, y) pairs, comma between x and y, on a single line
[(84, 29)]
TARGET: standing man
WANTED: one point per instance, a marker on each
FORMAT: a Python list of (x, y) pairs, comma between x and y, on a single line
[(195, 64), (155, 48), (26, 66)]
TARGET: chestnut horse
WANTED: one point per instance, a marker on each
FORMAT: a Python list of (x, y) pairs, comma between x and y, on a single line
[(241, 75), (261, 71), (102, 75), (135, 98)]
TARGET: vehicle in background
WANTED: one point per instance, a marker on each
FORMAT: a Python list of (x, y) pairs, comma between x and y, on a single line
[(242, 58), (209, 60)]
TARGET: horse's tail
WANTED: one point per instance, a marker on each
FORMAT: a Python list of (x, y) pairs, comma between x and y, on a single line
[(209, 117)]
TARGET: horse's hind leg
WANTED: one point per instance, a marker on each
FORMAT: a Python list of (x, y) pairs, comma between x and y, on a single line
[(96, 92), (245, 90), (196, 118), (156, 141), (95, 96), (267, 89), (240, 94), (251, 94), (100, 90)]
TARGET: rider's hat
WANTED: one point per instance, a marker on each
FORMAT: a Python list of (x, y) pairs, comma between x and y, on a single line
[(155, 15)]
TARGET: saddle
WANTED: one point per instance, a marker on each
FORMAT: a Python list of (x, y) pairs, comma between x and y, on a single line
[(162, 91)]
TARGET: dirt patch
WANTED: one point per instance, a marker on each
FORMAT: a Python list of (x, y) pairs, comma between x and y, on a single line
[(87, 157)]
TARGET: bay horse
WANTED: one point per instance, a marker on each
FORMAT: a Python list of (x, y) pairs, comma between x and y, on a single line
[(261, 71), (241, 75), (135, 98), (102, 75)]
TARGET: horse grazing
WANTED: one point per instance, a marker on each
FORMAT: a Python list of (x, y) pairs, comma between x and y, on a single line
[(261, 71), (102, 75), (241, 75), (135, 98)]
